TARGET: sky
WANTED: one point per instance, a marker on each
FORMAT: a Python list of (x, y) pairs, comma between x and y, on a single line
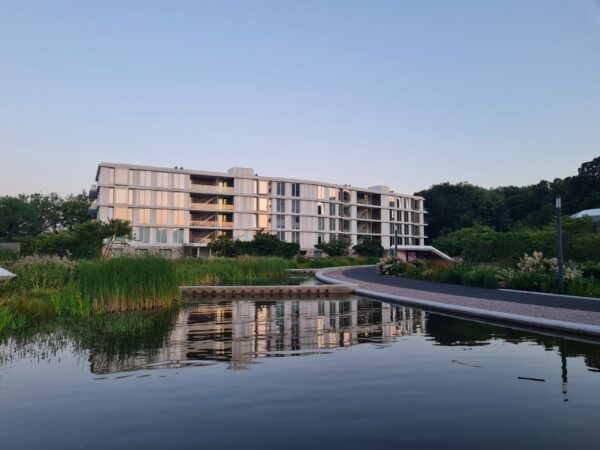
[(400, 93)]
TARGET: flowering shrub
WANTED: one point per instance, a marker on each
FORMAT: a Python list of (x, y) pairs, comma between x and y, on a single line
[(391, 265), (547, 266)]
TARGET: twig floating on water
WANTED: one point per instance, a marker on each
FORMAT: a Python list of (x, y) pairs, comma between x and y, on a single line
[(465, 364), (532, 379)]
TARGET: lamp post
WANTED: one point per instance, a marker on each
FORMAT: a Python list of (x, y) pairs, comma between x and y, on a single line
[(559, 249)]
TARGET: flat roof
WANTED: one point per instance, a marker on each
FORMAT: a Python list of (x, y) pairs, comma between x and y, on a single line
[(252, 177)]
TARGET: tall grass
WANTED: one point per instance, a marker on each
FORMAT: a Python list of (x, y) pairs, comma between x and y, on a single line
[(54, 287), (231, 271), (126, 283)]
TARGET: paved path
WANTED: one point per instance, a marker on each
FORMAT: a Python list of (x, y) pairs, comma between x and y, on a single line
[(559, 308)]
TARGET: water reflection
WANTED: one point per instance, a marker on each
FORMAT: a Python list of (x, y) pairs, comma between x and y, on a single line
[(238, 332), (241, 332)]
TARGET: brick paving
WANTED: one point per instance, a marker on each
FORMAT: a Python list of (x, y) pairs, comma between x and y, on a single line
[(563, 307)]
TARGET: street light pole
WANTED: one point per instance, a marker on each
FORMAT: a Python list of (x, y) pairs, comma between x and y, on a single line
[(559, 246)]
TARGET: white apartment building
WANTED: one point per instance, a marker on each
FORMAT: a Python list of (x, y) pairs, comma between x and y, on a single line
[(178, 212)]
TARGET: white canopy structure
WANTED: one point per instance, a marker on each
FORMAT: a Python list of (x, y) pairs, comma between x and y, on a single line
[(6, 275), (408, 252)]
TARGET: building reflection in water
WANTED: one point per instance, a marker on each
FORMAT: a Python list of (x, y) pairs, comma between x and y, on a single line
[(240, 331)]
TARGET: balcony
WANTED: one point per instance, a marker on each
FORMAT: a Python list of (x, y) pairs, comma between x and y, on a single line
[(212, 188), (93, 193), (211, 207), (211, 224)]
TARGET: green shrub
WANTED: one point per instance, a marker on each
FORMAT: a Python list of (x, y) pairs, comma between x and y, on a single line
[(8, 255), (369, 247), (484, 277)]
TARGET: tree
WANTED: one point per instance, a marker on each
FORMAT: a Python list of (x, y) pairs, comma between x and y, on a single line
[(85, 241), (17, 218), (335, 247), (75, 210), (263, 244), (369, 247), (223, 246)]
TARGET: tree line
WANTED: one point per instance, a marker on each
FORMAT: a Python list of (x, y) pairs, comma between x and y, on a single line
[(451, 207), (55, 225), (501, 224)]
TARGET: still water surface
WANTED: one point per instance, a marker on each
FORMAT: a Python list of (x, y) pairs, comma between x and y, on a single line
[(296, 374)]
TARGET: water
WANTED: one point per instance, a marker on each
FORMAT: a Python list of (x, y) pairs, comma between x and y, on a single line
[(296, 374)]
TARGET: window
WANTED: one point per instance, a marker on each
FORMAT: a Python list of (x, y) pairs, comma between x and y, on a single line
[(280, 188), (320, 208), (296, 237), (162, 216), (263, 221), (281, 235), (280, 221), (263, 187), (162, 198), (111, 195), (161, 236), (107, 175), (145, 177), (280, 205), (144, 215), (144, 234), (178, 236), (179, 200), (296, 222), (122, 176), (263, 204), (123, 213), (332, 209), (162, 179), (179, 181), (333, 193), (321, 223), (121, 196), (178, 218), (144, 198), (321, 192), (295, 189), (331, 224), (296, 206)]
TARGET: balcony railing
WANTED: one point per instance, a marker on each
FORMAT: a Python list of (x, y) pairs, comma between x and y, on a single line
[(212, 188), (212, 206), (211, 223)]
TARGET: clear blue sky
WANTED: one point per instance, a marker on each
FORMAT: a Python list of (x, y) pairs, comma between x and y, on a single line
[(361, 92)]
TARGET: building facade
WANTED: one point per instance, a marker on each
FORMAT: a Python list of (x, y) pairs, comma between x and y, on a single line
[(178, 212)]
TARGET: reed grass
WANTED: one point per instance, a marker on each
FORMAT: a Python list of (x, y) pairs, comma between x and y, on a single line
[(231, 271), (54, 287), (120, 284)]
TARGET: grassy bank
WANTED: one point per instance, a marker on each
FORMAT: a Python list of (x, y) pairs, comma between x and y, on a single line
[(47, 287)]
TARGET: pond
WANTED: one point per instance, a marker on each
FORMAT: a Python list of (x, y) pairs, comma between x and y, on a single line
[(352, 373)]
